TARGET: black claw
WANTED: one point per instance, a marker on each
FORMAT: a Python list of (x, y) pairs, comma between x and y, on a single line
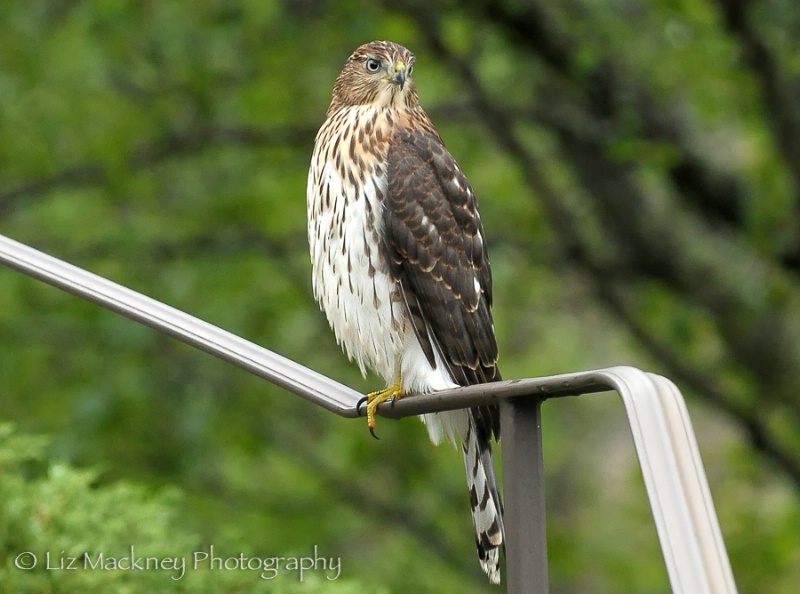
[(359, 403), (391, 401), (372, 433)]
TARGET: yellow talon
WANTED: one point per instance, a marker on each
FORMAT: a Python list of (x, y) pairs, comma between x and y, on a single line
[(375, 399)]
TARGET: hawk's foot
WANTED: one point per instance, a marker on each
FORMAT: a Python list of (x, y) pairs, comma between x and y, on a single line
[(375, 399)]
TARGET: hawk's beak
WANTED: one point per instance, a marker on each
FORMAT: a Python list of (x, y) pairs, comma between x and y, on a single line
[(399, 76)]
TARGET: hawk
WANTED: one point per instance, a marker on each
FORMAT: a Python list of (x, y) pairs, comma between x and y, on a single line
[(399, 262)]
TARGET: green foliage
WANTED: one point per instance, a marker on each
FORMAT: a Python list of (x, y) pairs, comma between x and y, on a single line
[(643, 211), (62, 532)]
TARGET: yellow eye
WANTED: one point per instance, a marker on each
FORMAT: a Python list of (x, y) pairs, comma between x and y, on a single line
[(372, 65)]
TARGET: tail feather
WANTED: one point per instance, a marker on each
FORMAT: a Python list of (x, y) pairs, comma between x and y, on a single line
[(484, 497)]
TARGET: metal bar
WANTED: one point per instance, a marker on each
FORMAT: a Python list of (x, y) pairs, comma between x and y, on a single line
[(259, 361), (676, 484), (296, 378), (662, 481), (524, 512), (695, 487), (565, 384), (674, 477)]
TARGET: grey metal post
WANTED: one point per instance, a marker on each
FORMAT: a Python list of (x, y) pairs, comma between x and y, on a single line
[(524, 514)]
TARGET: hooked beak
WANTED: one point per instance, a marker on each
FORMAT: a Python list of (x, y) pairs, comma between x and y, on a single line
[(400, 73)]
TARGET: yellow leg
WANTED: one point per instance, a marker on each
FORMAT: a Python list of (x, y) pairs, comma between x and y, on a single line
[(374, 399)]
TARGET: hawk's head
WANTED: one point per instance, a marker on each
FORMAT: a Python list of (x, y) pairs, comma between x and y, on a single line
[(378, 73)]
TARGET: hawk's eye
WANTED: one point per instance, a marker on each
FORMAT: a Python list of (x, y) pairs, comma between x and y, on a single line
[(372, 65)]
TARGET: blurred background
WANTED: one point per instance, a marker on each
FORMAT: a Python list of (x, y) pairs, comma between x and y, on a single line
[(638, 169)]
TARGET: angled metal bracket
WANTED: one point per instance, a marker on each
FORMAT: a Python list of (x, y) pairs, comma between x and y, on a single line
[(687, 525), (686, 521)]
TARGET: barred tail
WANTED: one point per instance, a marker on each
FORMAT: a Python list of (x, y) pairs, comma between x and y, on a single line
[(484, 497)]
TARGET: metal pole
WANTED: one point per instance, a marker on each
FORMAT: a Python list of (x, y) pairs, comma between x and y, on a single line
[(524, 514), (279, 370), (684, 513)]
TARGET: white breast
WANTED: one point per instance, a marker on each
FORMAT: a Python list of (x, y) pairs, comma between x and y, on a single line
[(350, 279)]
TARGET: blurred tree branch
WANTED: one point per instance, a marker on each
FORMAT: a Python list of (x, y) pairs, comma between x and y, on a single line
[(677, 242), (171, 145), (781, 106), (780, 97), (717, 194)]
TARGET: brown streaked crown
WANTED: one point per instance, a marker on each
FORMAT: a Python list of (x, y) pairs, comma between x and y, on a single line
[(358, 85)]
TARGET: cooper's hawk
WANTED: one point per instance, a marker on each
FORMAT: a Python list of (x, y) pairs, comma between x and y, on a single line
[(399, 261)]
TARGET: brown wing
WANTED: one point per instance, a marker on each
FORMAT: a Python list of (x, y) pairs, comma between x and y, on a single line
[(434, 240)]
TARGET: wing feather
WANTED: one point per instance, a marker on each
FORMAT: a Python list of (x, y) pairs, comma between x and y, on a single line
[(434, 241)]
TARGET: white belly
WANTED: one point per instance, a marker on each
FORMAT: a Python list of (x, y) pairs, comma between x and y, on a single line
[(351, 281)]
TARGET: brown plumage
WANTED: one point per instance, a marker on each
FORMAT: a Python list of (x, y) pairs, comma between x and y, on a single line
[(399, 260)]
